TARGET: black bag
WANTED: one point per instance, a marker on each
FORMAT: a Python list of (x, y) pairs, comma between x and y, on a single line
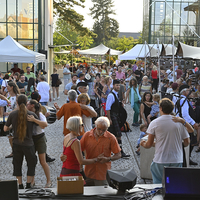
[(59, 82)]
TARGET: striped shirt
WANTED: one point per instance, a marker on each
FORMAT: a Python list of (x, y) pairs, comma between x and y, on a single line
[(145, 88)]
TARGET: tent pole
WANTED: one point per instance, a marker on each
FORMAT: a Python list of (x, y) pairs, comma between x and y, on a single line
[(145, 59), (158, 52), (173, 58)]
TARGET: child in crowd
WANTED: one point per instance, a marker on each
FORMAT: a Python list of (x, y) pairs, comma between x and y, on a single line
[(143, 129), (154, 107)]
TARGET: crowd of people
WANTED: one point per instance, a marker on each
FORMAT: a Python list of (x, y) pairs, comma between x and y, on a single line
[(94, 115)]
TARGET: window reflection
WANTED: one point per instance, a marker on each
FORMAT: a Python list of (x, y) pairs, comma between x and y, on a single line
[(25, 31), (35, 31), (36, 11), (2, 10), (12, 29), (11, 9), (25, 11), (2, 30)]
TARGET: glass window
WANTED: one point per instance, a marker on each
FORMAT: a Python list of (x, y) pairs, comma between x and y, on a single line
[(176, 13), (25, 31), (168, 30), (176, 30), (168, 19), (159, 12), (3, 67), (12, 29), (27, 43), (35, 31), (184, 14), (184, 31), (25, 11), (11, 9), (2, 30), (36, 45), (36, 11), (192, 18), (3, 11)]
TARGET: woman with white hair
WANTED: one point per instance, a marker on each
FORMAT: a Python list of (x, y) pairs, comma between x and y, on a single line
[(72, 149)]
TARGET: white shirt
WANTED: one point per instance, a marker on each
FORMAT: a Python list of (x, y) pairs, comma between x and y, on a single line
[(111, 99), (78, 80), (43, 90), (170, 75), (87, 121), (4, 83), (169, 136), (185, 111), (37, 129)]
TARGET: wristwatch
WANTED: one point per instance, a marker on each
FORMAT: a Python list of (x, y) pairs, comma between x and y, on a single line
[(184, 123)]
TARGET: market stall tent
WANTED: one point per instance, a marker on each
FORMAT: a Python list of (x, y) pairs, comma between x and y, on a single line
[(12, 51), (187, 51)]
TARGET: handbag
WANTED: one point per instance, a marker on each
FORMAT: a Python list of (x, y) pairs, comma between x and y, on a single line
[(59, 82)]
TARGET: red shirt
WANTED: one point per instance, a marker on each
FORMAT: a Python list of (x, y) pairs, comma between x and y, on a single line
[(154, 74)]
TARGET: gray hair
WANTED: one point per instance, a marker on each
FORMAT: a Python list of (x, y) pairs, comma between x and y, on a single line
[(145, 77), (72, 95), (42, 78), (183, 90), (102, 120), (83, 86), (73, 124)]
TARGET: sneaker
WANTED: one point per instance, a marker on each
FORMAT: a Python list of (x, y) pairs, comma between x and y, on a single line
[(138, 153), (123, 155), (58, 98), (135, 124), (54, 99), (49, 159)]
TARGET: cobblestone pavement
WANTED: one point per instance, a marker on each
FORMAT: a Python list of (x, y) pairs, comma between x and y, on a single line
[(54, 149)]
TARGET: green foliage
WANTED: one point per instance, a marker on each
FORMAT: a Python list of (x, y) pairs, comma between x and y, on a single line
[(123, 43), (104, 26), (64, 9), (85, 41)]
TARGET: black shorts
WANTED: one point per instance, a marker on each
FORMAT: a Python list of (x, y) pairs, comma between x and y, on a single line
[(54, 85)]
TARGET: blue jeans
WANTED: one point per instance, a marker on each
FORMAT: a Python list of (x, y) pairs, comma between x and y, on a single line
[(157, 170), (43, 103)]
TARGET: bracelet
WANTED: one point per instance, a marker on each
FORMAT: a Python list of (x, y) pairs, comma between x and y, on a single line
[(184, 123)]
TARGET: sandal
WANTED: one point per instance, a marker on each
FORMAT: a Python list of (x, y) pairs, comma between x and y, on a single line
[(48, 185), (198, 149)]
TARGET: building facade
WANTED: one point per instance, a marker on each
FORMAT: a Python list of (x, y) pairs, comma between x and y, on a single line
[(29, 22), (164, 18)]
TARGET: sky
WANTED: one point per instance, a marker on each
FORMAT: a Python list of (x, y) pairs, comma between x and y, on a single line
[(129, 14)]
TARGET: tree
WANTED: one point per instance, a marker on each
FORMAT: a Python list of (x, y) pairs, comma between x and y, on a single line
[(85, 41), (104, 26), (64, 9)]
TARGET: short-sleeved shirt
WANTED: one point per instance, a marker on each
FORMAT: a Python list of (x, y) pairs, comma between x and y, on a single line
[(30, 75), (13, 119), (66, 76), (169, 136), (21, 85), (43, 90), (106, 144), (71, 109), (120, 75)]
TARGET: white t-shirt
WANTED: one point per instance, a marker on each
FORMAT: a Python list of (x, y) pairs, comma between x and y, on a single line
[(169, 136), (4, 83), (87, 121), (170, 75), (13, 105), (43, 90), (37, 129)]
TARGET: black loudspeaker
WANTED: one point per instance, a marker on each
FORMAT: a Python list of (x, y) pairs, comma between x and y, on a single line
[(9, 190), (122, 180), (181, 183)]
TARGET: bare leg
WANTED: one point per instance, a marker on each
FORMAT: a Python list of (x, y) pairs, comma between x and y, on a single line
[(45, 166), (54, 89), (19, 179), (29, 179), (57, 91)]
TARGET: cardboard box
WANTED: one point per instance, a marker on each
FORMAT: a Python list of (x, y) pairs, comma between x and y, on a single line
[(70, 185)]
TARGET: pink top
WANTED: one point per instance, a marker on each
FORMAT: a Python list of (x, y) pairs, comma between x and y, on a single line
[(120, 75)]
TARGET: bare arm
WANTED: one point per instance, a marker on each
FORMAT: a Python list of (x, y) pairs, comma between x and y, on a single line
[(142, 113), (112, 158), (104, 91), (108, 115), (149, 143), (127, 95), (42, 124), (92, 112)]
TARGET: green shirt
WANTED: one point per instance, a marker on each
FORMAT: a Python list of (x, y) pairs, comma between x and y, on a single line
[(30, 75)]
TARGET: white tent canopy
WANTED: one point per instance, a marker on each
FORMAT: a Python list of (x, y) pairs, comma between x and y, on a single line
[(63, 52), (167, 50), (12, 51), (100, 50), (187, 51), (141, 51)]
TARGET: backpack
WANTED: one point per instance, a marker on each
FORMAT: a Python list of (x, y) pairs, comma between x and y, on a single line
[(125, 128)]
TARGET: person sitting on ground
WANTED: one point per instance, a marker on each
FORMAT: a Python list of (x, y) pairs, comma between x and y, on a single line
[(72, 156), (143, 129), (154, 108)]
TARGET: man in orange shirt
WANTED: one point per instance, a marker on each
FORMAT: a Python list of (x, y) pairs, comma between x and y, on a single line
[(94, 143), (72, 109)]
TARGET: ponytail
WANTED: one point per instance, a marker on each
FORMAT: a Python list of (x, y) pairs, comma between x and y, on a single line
[(22, 117)]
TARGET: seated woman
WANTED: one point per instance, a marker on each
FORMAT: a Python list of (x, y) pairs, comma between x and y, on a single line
[(72, 155)]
